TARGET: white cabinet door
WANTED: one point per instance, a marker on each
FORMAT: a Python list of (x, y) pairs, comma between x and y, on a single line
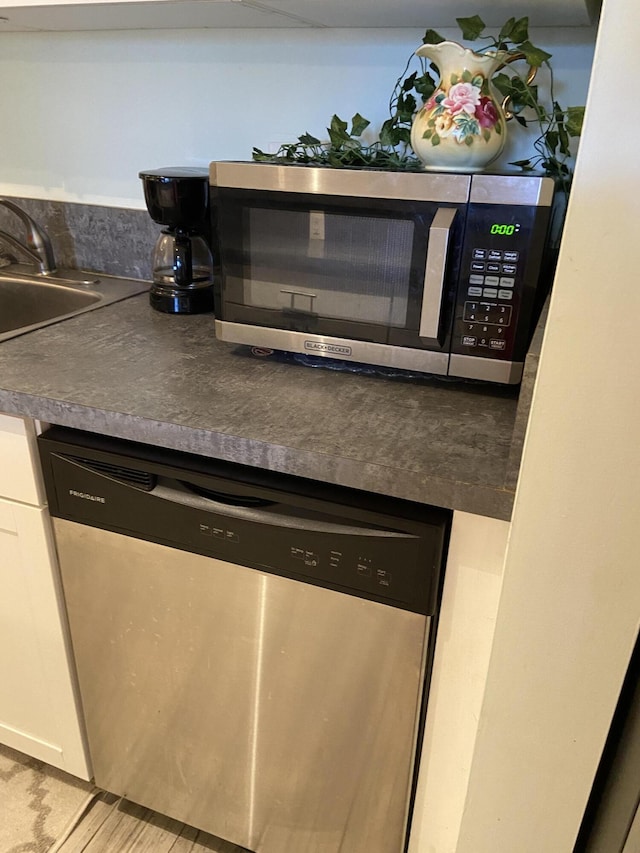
[(20, 477), (39, 713)]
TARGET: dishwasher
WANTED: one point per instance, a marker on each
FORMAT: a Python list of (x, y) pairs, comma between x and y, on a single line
[(252, 649)]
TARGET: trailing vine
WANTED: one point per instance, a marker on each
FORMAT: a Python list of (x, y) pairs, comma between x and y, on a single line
[(555, 126)]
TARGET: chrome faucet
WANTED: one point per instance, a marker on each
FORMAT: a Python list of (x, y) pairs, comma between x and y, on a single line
[(38, 247)]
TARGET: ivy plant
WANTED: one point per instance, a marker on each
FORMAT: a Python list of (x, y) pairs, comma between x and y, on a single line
[(554, 125)]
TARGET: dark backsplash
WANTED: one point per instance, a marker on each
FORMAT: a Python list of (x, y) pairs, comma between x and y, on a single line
[(113, 240)]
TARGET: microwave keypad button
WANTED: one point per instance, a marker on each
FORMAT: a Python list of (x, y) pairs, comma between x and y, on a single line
[(508, 269), (494, 268), (491, 281), (511, 256), (469, 340), (479, 254), (487, 312), (506, 281), (503, 317), (470, 311), (490, 292), (505, 294), (475, 291), (494, 343), (476, 279), (483, 342), (495, 255), (477, 266)]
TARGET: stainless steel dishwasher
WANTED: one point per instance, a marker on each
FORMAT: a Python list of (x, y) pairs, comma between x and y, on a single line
[(252, 649)]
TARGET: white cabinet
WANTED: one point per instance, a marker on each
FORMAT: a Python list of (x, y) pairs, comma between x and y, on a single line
[(22, 15), (39, 712)]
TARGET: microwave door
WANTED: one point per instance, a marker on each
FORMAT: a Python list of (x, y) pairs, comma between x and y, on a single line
[(337, 266), (433, 294)]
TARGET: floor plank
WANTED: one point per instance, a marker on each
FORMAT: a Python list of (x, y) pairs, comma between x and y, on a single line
[(118, 832), (117, 826), (96, 815)]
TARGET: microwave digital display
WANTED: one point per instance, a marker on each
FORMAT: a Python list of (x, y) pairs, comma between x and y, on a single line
[(504, 229)]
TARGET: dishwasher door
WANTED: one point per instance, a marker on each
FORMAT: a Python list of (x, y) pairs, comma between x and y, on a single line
[(278, 714)]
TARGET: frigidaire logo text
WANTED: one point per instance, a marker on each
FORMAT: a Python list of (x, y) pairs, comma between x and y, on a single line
[(87, 497), (336, 349)]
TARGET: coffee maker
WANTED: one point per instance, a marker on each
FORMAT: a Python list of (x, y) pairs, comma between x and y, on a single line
[(178, 199)]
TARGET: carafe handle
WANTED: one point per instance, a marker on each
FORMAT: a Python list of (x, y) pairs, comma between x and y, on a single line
[(531, 74), (182, 260)]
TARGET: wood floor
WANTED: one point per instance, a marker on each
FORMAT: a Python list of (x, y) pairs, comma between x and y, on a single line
[(111, 825)]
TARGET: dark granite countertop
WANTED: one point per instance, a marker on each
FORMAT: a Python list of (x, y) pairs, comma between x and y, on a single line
[(130, 372)]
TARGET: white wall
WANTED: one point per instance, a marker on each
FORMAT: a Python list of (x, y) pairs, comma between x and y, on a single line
[(84, 112), (570, 604)]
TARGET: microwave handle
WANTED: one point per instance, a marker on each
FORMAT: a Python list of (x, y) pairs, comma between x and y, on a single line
[(439, 233)]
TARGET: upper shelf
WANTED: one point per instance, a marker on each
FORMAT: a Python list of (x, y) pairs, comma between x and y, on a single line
[(52, 15)]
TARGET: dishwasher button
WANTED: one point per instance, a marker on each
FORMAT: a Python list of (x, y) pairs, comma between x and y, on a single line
[(206, 530), (364, 571), (311, 559), (231, 536), (383, 577)]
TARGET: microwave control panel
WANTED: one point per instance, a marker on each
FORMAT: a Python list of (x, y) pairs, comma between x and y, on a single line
[(501, 262)]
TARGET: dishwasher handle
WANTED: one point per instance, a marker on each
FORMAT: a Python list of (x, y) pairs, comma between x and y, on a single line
[(175, 492)]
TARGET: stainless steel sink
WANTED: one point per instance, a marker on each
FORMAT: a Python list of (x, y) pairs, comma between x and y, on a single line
[(29, 301)]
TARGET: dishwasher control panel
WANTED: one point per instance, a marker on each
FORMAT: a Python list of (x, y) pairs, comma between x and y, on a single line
[(377, 548)]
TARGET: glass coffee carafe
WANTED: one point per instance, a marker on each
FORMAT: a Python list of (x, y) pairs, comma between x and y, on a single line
[(178, 199)]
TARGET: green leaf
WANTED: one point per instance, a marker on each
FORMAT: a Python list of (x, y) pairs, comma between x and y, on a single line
[(427, 134), (432, 37), (523, 164), (435, 139), (468, 140), (386, 133), (425, 86), (405, 108), (471, 28), (520, 31), (486, 135), (534, 55), (358, 124), (338, 127), (552, 139), (307, 139), (409, 82), (466, 76), (503, 83), (507, 29), (575, 117), (564, 141)]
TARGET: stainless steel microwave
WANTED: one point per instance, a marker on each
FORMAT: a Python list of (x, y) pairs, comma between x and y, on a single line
[(422, 271)]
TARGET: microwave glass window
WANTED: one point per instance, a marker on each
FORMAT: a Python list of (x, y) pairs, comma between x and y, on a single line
[(329, 264)]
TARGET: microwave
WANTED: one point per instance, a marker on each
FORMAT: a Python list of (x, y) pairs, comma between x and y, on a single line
[(438, 273)]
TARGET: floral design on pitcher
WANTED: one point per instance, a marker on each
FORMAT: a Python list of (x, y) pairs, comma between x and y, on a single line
[(465, 112)]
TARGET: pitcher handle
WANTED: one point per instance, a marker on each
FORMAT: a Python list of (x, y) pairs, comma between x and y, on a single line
[(531, 74)]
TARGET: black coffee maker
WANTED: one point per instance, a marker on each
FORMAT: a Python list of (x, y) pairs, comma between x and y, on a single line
[(178, 199)]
